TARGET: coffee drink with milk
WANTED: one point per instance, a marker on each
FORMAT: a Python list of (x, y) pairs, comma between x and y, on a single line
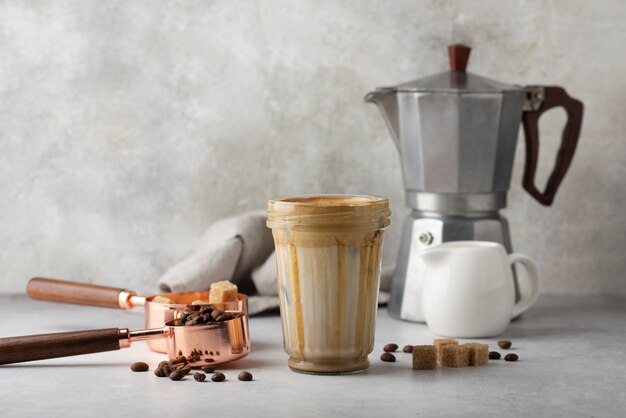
[(328, 256)]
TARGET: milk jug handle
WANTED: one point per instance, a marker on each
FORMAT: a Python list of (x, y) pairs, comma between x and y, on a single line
[(529, 296), (541, 99)]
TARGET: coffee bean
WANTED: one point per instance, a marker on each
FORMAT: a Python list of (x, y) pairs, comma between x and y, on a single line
[(224, 317), (178, 323), (216, 313), (199, 377), (206, 352), (166, 370), (177, 374), (217, 353), (209, 360), (245, 376), (511, 357), (494, 355), (218, 377), (158, 372), (388, 357), (139, 366), (389, 348), (505, 344), (407, 349), (183, 317), (207, 369), (185, 370), (180, 352), (163, 363)]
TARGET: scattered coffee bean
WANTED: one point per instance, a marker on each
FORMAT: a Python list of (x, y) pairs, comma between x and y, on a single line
[(494, 355), (139, 366), (217, 353), (210, 353), (407, 349), (166, 370), (218, 377), (511, 357), (245, 376), (209, 360), (199, 377), (388, 357), (504, 344), (207, 369), (158, 372), (163, 363), (206, 352), (389, 348), (177, 374), (185, 370)]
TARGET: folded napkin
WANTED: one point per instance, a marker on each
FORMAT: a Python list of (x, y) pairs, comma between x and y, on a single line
[(239, 249)]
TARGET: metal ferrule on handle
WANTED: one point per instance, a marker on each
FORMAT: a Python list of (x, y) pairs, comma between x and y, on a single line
[(126, 336)]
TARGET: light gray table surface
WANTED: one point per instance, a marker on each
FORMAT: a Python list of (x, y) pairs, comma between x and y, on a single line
[(572, 363)]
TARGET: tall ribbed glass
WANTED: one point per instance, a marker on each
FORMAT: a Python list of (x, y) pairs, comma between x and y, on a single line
[(328, 258)]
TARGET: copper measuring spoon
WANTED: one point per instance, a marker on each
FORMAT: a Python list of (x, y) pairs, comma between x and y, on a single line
[(156, 314), (207, 344)]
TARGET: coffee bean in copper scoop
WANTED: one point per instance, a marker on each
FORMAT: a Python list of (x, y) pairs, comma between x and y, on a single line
[(389, 348), (199, 377), (494, 355), (407, 349), (139, 366), (511, 357), (207, 369), (178, 374), (218, 377), (245, 376), (388, 357), (504, 344)]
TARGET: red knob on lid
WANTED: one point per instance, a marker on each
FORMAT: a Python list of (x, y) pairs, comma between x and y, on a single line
[(459, 56)]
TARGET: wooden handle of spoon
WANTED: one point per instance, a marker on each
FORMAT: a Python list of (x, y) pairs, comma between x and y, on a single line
[(77, 293), (62, 344)]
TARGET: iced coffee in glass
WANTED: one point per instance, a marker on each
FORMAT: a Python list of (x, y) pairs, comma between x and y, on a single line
[(328, 258)]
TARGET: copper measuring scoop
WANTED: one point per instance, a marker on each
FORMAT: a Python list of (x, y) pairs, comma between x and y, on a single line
[(207, 344), (156, 314)]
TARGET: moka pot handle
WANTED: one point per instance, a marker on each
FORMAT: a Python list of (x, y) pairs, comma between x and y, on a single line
[(549, 97)]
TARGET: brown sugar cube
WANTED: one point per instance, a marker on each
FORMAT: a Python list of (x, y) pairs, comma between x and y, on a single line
[(441, 342), (478, 354), (223, 291), (161, 299), (454, 355), (424, 357)]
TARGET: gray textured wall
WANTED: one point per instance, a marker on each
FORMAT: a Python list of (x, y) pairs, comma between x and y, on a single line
[(126, 127)]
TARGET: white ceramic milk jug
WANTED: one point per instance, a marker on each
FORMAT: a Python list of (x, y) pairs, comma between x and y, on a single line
[(469, 291)]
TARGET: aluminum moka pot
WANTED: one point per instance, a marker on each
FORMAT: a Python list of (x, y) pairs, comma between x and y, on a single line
[(456, 133)]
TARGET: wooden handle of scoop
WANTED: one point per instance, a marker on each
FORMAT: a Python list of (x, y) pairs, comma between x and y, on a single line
[(64, 291), (62, 344)]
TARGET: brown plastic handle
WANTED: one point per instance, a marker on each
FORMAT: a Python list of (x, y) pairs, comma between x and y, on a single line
[(64, 291), (62, 344), (553, 97)]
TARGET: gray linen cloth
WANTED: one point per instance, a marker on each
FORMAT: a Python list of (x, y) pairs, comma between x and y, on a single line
[(239, 249)]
